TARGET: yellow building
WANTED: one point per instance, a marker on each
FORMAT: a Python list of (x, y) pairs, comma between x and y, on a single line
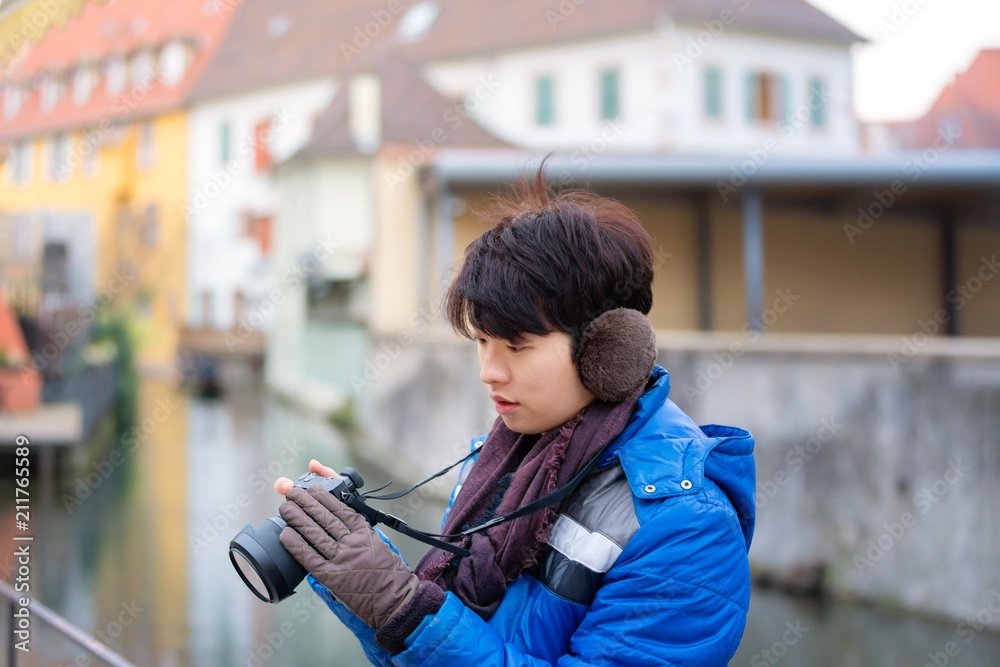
[(94, 172)]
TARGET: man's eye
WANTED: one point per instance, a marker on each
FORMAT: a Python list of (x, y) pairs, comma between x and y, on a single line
[(515, 348)]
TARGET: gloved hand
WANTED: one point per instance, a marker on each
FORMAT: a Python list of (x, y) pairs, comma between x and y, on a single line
[(337, 546)]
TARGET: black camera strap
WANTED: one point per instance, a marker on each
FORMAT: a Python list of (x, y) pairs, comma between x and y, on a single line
[(437, 540)]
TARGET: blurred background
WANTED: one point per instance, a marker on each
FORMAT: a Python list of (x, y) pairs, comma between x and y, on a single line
[(225, 226)]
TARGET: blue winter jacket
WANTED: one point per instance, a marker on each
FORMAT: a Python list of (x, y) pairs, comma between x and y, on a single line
[(646, 564)]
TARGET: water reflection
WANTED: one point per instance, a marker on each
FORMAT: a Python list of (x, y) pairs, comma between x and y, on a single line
[(132, 538)]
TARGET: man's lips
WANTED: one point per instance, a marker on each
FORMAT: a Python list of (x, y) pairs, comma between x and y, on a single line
[(504, 407)]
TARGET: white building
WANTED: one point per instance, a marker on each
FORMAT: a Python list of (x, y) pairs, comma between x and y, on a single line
[(718, 76)]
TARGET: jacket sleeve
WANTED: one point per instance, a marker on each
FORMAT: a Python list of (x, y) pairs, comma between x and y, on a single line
[(677, 595)]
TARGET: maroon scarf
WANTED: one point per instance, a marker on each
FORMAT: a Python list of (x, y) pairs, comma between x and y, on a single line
[(512, 470)]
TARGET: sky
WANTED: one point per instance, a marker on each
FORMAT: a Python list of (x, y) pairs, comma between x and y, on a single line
[(903, 68)]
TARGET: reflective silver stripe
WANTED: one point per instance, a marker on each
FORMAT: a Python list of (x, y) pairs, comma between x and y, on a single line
[(593, 550)]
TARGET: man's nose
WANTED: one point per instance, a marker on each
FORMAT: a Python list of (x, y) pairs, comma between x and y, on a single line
[(493, 368)]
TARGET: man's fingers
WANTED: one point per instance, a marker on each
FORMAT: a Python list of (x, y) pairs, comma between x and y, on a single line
[(306, 525), (300, 549), (320, 469), (283, 485)]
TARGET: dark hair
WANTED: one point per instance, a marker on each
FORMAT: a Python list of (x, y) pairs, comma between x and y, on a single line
[(550, 263)]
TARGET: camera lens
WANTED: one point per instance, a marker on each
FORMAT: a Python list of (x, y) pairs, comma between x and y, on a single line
[(249, 574), (263, 563)]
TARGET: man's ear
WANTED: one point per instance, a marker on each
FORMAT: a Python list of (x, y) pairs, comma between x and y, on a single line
[(616, 354)]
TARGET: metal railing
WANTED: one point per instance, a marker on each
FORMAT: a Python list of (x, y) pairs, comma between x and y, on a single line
[(60, 624)]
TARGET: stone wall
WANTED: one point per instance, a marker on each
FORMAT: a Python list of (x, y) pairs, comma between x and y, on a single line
[(883, 477)]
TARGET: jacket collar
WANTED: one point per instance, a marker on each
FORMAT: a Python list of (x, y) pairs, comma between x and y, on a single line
[(664, 453)]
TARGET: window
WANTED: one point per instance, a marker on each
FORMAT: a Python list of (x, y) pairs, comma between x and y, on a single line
[(21, 162), (763, 97), (545, 100), (417, 20), (262, 145), (12, 99), (90, 159), (609, 94), (142, 72), (115, 74), (817, 102), (339, 300), (207, 309), (55, 268), (713, 92), (258, 228), (59, 166), (83, 84), (225, 147), (173, 62), (784, 97), (149, 227), (51, 92), (144, 148)]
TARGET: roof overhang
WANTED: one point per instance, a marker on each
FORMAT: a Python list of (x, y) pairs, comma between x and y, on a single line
[(466, 167)]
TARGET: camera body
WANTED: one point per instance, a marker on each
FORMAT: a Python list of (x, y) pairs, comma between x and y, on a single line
[(263, 563)]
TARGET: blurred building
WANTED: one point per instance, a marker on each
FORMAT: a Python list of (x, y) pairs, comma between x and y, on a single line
[(682, 76), (254, 106), (968, 108), (94, 177)]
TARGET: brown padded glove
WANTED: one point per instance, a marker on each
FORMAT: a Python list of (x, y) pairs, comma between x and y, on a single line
[(338, 547)]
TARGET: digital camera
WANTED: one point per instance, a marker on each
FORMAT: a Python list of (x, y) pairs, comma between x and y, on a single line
[(263, 563)]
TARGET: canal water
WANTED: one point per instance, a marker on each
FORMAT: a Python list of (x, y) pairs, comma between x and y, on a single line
[(131, 545)]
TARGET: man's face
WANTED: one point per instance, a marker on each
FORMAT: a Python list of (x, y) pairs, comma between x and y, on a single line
[(534, 386)]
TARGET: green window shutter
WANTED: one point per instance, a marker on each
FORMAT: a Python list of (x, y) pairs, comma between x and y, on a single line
[(817, 102), (751, 96), (545, 91), (224, 147), (785, 88), (609, 94), (713, 92)]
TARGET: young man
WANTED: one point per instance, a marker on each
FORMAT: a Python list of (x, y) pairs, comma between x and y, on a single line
[(643, 563)]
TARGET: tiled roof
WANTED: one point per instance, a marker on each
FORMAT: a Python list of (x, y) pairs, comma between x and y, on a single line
[(412, 111), (465, 27), (272, 43), (969, 106), (115, 29)]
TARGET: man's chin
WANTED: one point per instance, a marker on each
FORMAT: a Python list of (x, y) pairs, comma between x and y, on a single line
[(517, 426)]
